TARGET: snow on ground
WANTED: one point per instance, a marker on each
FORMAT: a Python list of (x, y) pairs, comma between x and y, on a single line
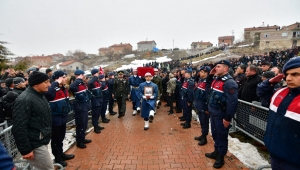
[(139, 63), (208, 58)]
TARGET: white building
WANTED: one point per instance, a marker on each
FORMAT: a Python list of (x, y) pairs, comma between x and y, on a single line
[(72, 65), (146, 45)]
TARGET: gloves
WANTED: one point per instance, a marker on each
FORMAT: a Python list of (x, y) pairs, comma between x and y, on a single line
[(140, 76), (152, 97), (144, 97), (276, 79)]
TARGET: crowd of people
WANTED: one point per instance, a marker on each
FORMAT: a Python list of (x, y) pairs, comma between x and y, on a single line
[(39, 104)]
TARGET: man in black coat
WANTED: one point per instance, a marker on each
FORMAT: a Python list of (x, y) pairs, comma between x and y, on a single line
[(247, 91)]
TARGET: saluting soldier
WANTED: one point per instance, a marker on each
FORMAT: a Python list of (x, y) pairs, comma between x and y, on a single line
[(134, 82), (187, 96), (121, 92), (158, 81)]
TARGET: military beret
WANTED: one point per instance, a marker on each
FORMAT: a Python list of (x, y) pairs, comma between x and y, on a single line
[(94, 71), (57, 74), (292, 63), (101, 76), (226, 62), (78, 72), (188, 71), (205, 68), (111, 74), (121, 72)]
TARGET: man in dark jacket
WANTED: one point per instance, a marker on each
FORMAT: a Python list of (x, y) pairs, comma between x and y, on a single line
[(110, 83), (247, 91), (19, 85), (32, 122), (58, 97)]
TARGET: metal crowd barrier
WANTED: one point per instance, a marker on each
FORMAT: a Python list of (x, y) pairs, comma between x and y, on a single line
[(251, 119)]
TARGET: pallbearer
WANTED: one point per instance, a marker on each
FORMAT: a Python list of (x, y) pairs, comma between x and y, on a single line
[(134, 82), (148, 92)]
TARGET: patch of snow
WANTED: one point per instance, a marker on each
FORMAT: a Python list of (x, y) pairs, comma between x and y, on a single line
[(208, 58)]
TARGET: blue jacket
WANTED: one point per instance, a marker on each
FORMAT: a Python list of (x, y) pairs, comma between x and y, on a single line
[(105, 92), (82, 96), (187, 90), (282, 136), (110, 84), (5, 159), (201, 92), (58, 98), (223, 97), (265, 91), (95, 88)]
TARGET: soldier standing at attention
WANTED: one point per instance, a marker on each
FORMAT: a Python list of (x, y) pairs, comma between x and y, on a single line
[(81, 107), (158, 81), (110, 83), (96, 100), (134, 82), (222, 105), (121, 92), (187, 97)]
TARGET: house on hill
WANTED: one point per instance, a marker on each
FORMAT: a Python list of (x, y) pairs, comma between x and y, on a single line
[(116, 49), (72, 65), (201, 45), (252, 35), (286, 37), (226, 40), (146, 45)]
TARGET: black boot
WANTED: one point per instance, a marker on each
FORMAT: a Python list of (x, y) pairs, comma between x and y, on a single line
[(198, 138), (87, 141), (59, 160), (105, 121), (67, 156), (96, 129), (112, 113), (101, 128), (80, 145), (203, 141), (187, 125), (212, 155), (219, 162)]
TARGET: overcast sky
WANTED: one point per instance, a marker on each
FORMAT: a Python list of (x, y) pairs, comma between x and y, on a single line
[(36, 27)]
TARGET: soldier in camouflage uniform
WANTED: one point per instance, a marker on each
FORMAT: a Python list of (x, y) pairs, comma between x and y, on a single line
[(121, 92)]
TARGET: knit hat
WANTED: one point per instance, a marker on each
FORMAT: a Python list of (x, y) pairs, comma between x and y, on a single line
[(57, 74), (48, 70), (292, 63), (94, 71), (37, 77), (9, 82), (18, 80), (269, 74)]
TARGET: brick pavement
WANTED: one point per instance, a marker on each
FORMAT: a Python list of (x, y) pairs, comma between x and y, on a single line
[(124, 144)]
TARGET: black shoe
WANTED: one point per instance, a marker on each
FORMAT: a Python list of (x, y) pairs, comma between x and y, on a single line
[(183, 119), (151, 118), (212, 155), (67, 156), (81, 145), (178, 111), (113, 113), (170, 113), (105, 121), (182, 124), (59, 160), (97, 130), (180, 117), (198, 138), (186, 126), (146, 128), (219, 162), (101, 128), (87, 141), (138, 112), (121, 115), (203, 141)]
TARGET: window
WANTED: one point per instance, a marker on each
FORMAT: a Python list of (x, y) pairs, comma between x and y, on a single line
[(267, 35), (284, 34)]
